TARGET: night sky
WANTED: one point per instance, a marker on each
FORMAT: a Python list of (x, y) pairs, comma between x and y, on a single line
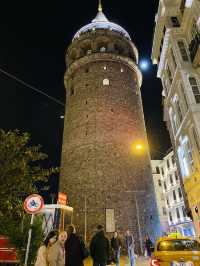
[(34, 38)]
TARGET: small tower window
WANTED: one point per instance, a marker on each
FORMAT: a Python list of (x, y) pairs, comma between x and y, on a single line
[(72, 91), (103, 49), (105, 67), (106, 82), (122, 70)]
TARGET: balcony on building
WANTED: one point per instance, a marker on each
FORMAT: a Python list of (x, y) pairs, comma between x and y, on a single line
[(194, 48)]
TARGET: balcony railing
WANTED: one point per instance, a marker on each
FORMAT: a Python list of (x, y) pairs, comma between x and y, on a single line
[(194, 48)]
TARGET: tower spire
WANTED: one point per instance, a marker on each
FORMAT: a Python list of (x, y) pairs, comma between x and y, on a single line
[(100, 6)]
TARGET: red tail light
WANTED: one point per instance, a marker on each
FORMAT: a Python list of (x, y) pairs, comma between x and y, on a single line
[(154, 262)]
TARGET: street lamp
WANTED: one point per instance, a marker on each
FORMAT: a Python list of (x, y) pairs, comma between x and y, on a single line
[(138, 215)]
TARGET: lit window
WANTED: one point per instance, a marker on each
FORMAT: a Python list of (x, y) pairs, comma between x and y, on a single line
[(105, 67), (195, 89), (106, 82), (122, 70), (102, 49)]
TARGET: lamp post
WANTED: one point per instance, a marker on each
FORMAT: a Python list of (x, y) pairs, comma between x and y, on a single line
[(138, 215), (85, 218)]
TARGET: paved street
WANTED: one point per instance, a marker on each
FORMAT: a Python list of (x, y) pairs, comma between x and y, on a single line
[(139, 262)]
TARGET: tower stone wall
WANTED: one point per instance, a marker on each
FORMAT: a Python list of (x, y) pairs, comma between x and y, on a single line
[(104, 117)]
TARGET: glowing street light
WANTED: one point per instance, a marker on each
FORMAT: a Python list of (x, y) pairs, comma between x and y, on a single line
[(144, 64), (137, 147)]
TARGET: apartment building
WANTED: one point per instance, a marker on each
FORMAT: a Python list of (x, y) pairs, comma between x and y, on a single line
[(176, 51), (169, 196)]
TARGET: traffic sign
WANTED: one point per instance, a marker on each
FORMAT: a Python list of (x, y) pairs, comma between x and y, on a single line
[(33, 203)]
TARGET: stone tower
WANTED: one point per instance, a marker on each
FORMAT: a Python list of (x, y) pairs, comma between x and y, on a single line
[(105, 182)]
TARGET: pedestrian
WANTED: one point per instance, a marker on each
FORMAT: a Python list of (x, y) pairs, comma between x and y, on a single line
[(56, 254), (148, 245), (116, 245), (43, 251), (130, 245), (74, 247), (99, 248)]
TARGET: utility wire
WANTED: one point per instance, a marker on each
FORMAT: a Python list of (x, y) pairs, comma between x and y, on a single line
[(31, 87)]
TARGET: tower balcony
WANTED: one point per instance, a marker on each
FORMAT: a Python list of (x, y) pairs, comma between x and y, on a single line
[(194, 48)]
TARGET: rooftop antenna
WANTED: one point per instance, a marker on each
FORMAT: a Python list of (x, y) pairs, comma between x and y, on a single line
[(100, 6)]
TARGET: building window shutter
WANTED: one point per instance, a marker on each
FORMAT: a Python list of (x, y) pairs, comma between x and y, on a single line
[(183, 51), (195, 89)]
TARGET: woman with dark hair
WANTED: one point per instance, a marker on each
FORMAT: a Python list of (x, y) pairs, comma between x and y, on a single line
[(50, 239)]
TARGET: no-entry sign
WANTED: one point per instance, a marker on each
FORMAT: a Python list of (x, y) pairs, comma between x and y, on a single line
[(33, 203)]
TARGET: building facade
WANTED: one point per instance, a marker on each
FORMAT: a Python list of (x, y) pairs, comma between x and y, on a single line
[(105, 181), (169, 196), (176, 51)]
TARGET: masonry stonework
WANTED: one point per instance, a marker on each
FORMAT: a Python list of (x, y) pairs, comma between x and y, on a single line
[(103, 118)]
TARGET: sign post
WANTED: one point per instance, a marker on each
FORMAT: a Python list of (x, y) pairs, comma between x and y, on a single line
[(32, 204)]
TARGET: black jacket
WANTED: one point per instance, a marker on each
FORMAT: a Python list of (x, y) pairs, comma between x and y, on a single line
[(99, 248), (116, 243), (73, 254)]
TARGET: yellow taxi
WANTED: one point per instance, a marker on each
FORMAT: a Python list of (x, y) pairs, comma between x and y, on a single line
[(176, 250)]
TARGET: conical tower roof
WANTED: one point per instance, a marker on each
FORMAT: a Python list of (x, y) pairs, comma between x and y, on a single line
[(101, 22)]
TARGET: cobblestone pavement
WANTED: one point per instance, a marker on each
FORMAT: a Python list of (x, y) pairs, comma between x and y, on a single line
[(141, 261)]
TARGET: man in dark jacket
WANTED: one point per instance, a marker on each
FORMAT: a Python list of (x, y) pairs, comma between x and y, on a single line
[(73, 248), (99, 248)]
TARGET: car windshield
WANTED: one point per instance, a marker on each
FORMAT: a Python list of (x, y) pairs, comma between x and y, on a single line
[(178, 245)]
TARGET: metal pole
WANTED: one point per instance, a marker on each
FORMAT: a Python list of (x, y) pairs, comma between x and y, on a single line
[(138, 221), (29, 240), (85, 232)]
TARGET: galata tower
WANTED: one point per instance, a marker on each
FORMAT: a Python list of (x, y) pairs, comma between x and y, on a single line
[(105, 181)]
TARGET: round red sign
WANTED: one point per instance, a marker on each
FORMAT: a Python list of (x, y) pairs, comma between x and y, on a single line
[(33, 203)]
